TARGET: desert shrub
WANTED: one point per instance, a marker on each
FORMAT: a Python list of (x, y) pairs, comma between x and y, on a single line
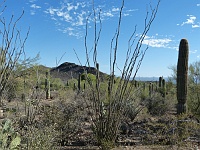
[(48, 125), (158, 105), (132, 111), (56, 84), (10, 91), (183, 131), (194, 100), (65, 119), (70, 83), (37, 138), (144, 94)]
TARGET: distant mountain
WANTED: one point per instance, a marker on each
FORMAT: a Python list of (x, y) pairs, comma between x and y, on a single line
[(69, 70), (149, 78)]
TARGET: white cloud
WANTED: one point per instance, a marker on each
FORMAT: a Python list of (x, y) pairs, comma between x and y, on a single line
[(191, 20), (74, 14), (67, 17), (126, 15), (51, 11), (70, 7), (108, 14), (64, 15), (71, 32), (35, 6), (53, 18), (196, 26), (198, 4), (157, 42), (131, 10), (193, 52), (70, 29), (32, 1), (115, 9), (32, 12), (60, 13), (80, 20)]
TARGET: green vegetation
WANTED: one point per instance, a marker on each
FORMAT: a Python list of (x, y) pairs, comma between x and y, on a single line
[(41, 109), (68, 117), (9, 138)]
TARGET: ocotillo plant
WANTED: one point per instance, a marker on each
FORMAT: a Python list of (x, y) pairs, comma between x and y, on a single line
[(182, 76), (97, 77), (47, 85)]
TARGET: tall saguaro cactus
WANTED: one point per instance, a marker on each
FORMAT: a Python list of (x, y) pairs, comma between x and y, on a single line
[(182, 76)]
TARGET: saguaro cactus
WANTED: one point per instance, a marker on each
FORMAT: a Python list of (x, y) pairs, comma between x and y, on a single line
[(182, 76), (163, 88), (79, 81), (47, 85), (144, 86), (160, 82), (150, 89)]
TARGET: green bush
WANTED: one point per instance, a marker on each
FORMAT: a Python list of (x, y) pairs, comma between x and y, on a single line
[(157, 105)]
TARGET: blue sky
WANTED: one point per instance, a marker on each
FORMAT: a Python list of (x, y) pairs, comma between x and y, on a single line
[(58, 26)]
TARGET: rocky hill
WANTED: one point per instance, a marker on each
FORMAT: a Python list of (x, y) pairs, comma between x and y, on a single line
[(69, 70)]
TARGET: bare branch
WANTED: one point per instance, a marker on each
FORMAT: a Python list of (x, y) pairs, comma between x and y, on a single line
[(86, 48), (77, 57)]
